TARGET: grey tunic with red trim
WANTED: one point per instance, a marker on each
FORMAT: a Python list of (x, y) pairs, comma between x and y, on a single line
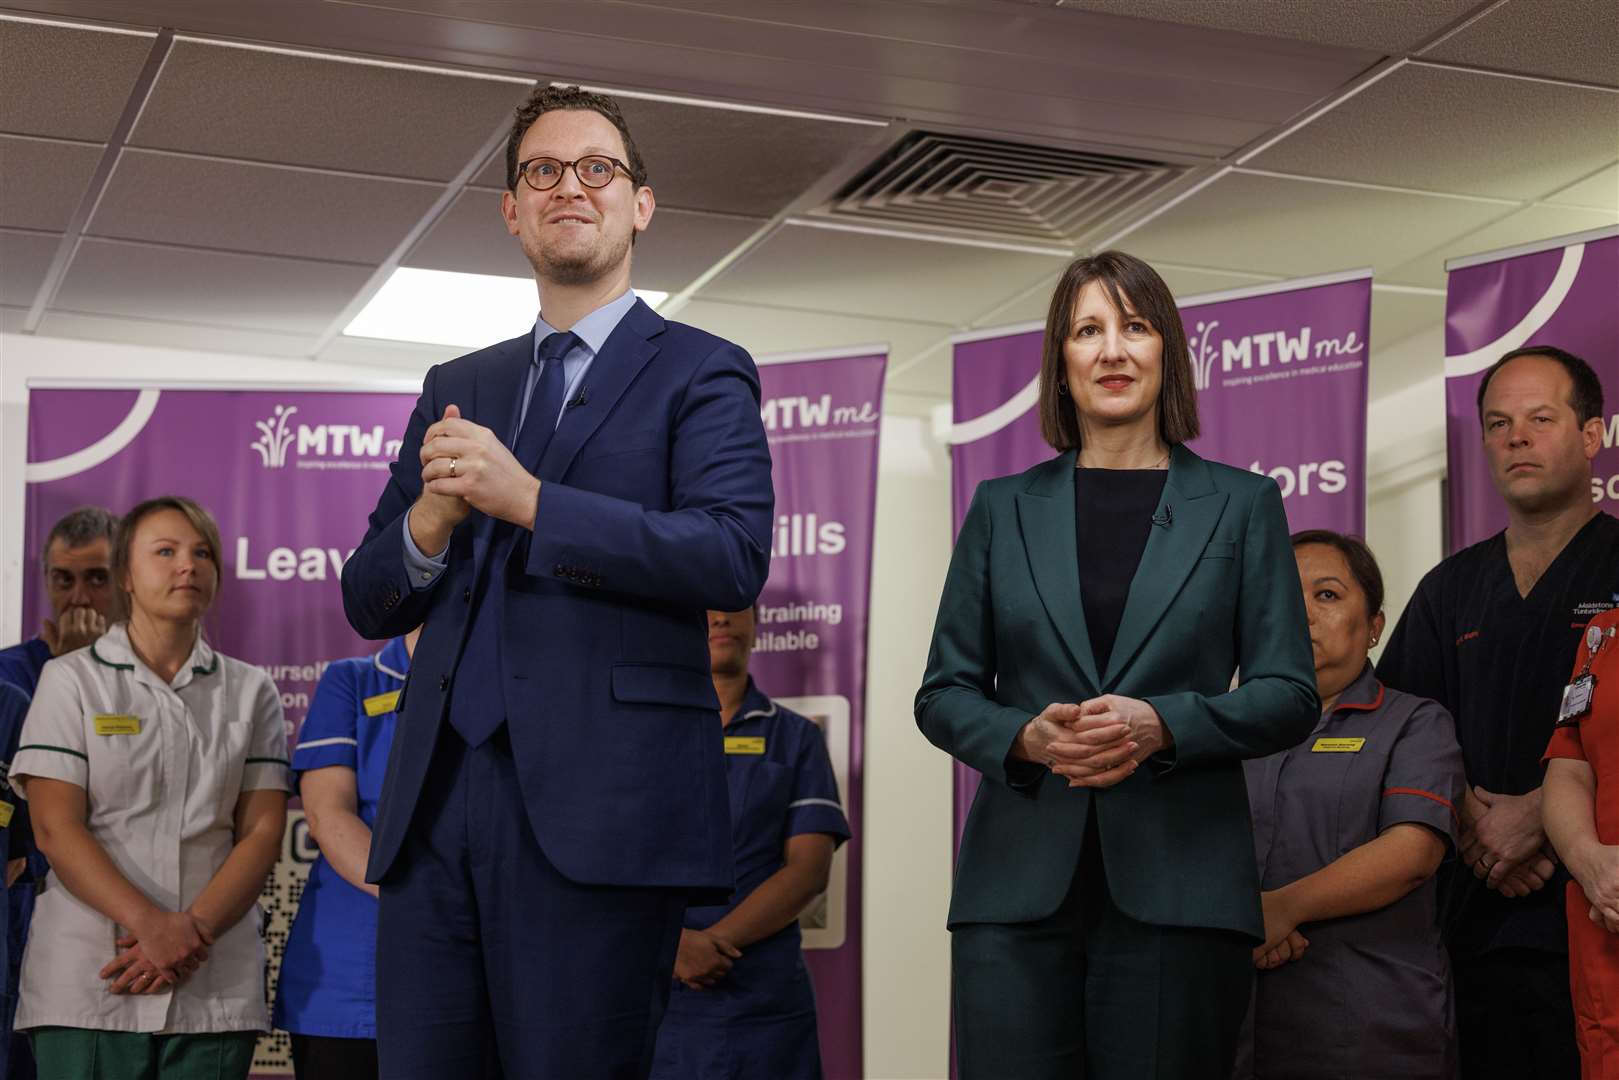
[(1372, 996)]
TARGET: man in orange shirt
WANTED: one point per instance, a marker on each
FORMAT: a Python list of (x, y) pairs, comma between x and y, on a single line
[(1581, 812)]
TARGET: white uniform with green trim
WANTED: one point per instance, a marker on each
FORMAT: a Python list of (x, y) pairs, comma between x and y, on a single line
[(163, 765)]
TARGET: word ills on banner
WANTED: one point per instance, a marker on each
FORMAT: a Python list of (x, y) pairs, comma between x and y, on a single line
[(822, 418)]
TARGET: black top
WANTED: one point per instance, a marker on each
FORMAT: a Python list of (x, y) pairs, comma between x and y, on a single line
[(1498, 663), (1113, 511)]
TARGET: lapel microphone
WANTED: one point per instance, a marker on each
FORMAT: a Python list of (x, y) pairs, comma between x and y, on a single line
[(582, 398), (1163, 521)]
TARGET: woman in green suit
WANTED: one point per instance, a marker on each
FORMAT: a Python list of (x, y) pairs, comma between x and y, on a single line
[(1106, 900)]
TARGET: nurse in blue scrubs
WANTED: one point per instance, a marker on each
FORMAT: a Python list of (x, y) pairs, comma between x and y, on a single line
[(327, 992), (742, 1004), (16, 843)]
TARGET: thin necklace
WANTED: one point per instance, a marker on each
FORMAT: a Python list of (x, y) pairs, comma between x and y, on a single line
[(1160, 462)]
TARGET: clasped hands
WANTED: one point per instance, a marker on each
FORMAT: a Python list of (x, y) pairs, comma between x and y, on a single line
[(159, 953), (704, 958), (1504, 843), (1096, 743), (466, 467)]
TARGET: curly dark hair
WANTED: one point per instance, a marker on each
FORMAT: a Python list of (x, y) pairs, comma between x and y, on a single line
[(546, 99)]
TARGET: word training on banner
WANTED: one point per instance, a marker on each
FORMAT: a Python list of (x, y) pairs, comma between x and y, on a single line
[(1281, 377), (822, 415), (1562, 292), (289, 475)]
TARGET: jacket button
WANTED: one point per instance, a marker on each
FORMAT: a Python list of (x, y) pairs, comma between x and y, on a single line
[(443, 682), (559, 570), (466, 594)]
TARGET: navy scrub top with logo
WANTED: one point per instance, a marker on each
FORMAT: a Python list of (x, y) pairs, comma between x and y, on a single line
[(760, 1019), (328, 972), (1372, 996)]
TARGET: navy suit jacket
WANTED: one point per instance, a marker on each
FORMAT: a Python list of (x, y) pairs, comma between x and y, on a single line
[(655, 504)]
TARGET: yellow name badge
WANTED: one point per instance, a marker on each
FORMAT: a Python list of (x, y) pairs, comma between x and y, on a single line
[(118, 725), (378, 704), (744, 744), (6, 810), (1337, 746)]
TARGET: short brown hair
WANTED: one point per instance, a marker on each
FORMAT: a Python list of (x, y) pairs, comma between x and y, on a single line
[(1586, 396), (546, 99), (1131, 285), (200, 520), (1362, 563)]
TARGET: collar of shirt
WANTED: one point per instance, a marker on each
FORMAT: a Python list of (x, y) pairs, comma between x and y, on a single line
[(393, 660), (593, 331), (1364, 694), (114, 650), (756, 707)]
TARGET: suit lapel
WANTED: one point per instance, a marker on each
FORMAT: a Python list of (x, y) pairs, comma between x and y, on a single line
[(1046, 519), (1193, 508), (626, 351)]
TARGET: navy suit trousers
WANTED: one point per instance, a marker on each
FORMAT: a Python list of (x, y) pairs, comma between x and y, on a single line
[(490, 963)]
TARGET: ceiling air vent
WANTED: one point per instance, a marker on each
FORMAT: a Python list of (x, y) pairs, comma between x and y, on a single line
[(971, 186)]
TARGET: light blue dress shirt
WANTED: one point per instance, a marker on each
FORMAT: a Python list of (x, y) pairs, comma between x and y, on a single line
[(593, 331)]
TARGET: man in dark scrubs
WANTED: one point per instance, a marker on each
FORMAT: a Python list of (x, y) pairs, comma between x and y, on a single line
[(1488, 635)]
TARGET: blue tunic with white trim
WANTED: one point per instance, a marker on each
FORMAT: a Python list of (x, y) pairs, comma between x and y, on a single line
[(328, 973), (759, 1021)]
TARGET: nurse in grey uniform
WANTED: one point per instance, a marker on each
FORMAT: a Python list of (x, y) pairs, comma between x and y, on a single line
[(1349, 828)]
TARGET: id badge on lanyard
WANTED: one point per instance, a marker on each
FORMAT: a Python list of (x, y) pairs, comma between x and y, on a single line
[(1578, 694)]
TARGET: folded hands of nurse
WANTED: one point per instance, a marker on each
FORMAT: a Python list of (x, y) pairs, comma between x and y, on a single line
[(1597, 871), (703, 959), (159, 954), (1503, 841), (1096, 743)]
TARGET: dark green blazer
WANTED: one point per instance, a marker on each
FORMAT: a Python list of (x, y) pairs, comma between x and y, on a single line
[(1217, 591)]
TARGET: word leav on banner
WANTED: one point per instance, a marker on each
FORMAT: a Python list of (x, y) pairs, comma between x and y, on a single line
[(822, 416)]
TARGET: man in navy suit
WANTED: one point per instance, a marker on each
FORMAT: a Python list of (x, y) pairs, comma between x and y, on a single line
[(565, 507)]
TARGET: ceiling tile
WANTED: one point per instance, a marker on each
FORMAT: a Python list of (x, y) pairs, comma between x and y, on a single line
[(1561, 39), (877, 276), (471, 238), (1598, 192), (66, 82), (404, 358), (679, 245), (258, 208), (213, 339), (1388, 26), (493, 173), (24, 258), (1525, 226), (1437, 129), (42, 182), (773, 331), (1265, 224), (297, 110), (291, 296), (736, 162)]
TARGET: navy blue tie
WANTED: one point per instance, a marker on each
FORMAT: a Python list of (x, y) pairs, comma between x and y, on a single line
[(477, 700)]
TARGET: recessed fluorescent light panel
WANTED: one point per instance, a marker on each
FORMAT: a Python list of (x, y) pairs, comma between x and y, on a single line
[(438, 307)]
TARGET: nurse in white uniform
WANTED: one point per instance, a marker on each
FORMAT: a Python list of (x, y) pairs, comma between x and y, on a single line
[(156, 774)]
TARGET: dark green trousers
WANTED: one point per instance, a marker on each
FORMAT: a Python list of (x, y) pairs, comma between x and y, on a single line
[(1091, 994), (64, 1053)]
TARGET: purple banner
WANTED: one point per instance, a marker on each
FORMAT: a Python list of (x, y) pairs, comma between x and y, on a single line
[(1565, 293), (1281, 378), (290, 477), (822, 417)]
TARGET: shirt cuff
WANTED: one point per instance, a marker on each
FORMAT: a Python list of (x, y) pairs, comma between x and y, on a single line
[(423, 570)]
